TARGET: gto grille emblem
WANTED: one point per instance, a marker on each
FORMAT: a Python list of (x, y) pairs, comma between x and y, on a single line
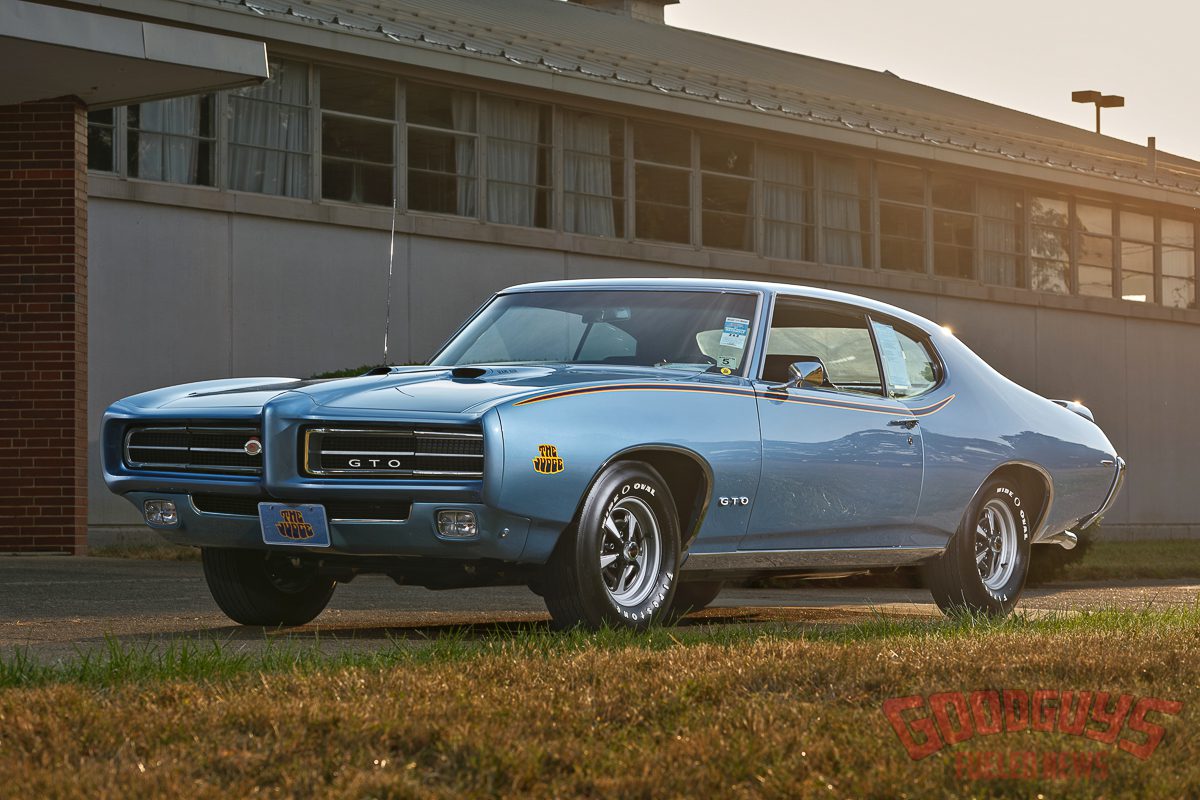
[(547, 461), (252, 447)]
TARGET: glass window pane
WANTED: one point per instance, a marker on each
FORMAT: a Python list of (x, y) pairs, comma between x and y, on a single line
[(902, 221), (726, 154), (1047, 275), (661, 144), (441, 172), (1096, 250), (1137, 286), (101, 148), (439, 107), (1137, 257), (361, 93), (663, 185), (356, 182), (1001, 202), (1178, 233), (1001, 269), (1095, 281), (1050, 244), (1094, 219), (1179, 292), (358, 139), (842, 341), (949, 228), (956, 194), (663, 210), (1137, 226), (1179, 263), (1049, 211), (904, 184)]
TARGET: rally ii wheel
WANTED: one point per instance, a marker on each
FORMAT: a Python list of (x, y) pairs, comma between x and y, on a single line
[(618, 566), (254, 587), (983, 570)]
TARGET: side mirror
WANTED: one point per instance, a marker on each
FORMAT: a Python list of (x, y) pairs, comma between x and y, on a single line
[(808, 372)]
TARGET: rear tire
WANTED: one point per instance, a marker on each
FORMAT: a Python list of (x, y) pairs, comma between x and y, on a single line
[(618, 566), (254, 587), (984, 568), (694, 596)]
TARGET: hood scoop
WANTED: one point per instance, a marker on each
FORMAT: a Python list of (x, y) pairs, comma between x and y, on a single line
[(468, 373)]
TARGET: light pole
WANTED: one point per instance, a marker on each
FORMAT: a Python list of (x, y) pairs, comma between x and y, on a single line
[(1101, 101)]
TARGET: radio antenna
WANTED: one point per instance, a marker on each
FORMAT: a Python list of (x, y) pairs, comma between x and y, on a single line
[(387, 318)]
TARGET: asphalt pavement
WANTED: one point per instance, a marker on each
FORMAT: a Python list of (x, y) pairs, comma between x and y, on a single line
[(56, 606)]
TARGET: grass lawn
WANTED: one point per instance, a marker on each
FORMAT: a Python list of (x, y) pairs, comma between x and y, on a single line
[(733, 711)]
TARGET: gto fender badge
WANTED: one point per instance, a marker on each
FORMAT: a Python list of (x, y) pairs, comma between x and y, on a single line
[(548, 461), (734, 501)]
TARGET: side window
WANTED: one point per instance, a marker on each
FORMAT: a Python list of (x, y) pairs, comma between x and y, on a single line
[(910, 366), (840, 339)]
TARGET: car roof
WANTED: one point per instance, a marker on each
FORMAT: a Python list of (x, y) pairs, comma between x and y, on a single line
[(716, 284)]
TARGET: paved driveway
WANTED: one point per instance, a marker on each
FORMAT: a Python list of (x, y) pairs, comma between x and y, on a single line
[(56, 606)]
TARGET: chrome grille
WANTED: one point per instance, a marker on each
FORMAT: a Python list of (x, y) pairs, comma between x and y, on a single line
[(417, 452), (192, 448)]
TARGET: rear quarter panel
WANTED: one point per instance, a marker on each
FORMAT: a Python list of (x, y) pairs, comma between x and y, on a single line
[(992, 422)]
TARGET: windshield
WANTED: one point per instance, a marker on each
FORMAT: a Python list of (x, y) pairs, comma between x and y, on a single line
[(678, 329)]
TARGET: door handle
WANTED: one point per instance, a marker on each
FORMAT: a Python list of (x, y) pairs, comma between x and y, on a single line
[(907, 424)]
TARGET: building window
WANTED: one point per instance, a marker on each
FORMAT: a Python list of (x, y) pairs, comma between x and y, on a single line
[(441, 150), (172, 140), (102, 131), (358, 112), (269, 145), (901, 218), (1137, 257), (1050, 245), (1002, 235), (726, 192), (1094, 226), (845, 210), (517, 161), (663, 183), (953, 226), (1178, 263), (787, 203), (593, 174)]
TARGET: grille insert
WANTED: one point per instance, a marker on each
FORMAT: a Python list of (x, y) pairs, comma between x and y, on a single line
[(436, 453), (337, 510), (193, 448)]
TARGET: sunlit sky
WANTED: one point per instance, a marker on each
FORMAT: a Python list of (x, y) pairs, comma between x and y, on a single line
[(1025, 54)]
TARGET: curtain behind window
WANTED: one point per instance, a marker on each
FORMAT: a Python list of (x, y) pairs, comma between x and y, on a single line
[(587, 176), (269, 143), (999, 235), (840, 205), (462, 109), (512, 129), (166, 149), (785, 203)]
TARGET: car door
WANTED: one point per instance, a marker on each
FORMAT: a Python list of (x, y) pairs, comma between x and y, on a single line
[(842, 463)]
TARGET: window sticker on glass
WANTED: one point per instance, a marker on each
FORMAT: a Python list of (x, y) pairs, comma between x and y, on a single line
[(892, 354), (735, 332)]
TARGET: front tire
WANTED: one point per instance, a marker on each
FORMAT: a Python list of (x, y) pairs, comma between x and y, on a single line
[(983, 570), (617, 567), (270, 589)]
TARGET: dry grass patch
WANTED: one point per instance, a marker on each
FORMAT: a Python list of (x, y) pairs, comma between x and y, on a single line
[(774, 711)]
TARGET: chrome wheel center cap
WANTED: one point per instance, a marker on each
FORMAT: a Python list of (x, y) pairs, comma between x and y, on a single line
[(631, 551)]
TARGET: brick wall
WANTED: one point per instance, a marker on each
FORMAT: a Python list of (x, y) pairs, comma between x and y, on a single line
[(43, 326)]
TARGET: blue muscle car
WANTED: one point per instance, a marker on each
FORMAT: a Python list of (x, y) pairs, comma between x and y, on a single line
[(622, 447)]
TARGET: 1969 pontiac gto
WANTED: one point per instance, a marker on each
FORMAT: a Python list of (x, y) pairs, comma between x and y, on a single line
[(622, 447)]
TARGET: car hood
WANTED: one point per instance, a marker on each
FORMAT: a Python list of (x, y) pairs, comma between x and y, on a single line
[(427, 389)]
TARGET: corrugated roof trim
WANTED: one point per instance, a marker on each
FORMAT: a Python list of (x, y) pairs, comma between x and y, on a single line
[(766, 99)]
